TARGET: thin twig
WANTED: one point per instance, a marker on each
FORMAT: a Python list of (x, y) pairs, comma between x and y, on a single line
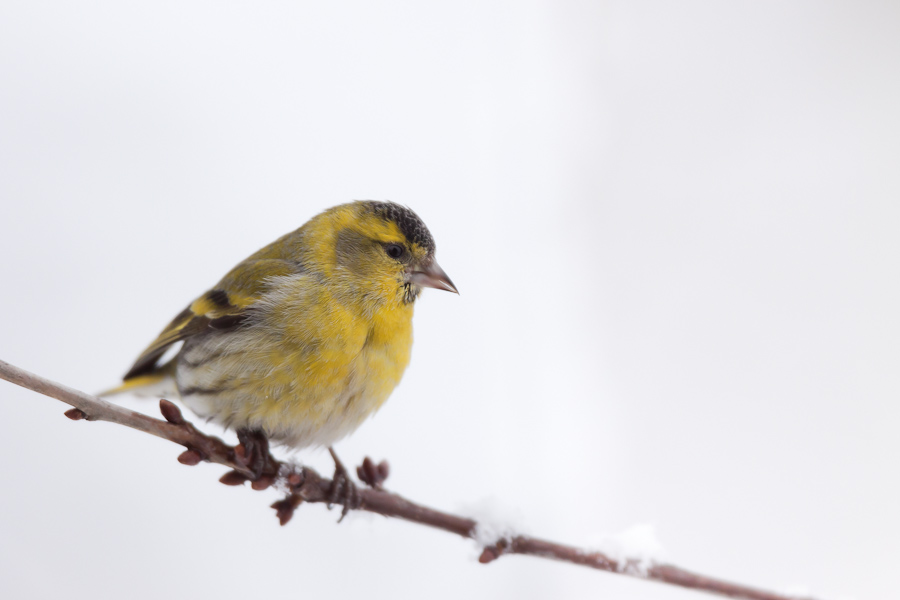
[(306, 485)]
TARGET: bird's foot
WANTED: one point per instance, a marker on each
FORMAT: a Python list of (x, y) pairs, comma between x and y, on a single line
[(343, 490), (253, 451)]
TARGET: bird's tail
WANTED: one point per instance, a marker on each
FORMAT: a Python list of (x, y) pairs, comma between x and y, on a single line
[(159, 383)]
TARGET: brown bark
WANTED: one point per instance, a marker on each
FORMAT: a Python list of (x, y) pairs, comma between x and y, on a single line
[(306, 485)]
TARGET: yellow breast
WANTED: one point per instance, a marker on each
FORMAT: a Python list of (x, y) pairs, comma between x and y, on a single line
[(308, 370)]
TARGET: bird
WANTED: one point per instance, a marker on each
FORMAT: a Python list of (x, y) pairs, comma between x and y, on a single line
[(303, 340)]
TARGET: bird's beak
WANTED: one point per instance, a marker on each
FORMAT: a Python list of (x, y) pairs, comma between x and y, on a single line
[(431, 275)]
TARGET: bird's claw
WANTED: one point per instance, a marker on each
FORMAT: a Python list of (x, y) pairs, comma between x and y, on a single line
[(253, 451), (343, 490)]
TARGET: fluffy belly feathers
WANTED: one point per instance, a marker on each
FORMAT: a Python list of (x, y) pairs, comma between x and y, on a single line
[(303, 383)]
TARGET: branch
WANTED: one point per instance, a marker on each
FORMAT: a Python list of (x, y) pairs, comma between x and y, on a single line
[(306, 485)]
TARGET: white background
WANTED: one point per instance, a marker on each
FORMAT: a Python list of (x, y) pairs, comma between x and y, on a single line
[(675, 231)]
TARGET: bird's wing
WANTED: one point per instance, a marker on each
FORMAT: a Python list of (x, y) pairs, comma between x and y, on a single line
[(223, 307)]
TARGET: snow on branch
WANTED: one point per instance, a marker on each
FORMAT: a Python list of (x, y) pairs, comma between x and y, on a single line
[(303, 484)]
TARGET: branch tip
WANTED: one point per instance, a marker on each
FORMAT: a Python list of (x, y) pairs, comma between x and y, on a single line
[(76, 414), (489, 555), (170, 412), (190, 458), (373, 474), (263, 482), (284, 509), (233, 478)]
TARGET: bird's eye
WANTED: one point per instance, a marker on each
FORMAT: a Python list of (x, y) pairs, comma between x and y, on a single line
[(395, 250)]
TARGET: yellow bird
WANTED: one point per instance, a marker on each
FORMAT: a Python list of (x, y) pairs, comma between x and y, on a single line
[(306, 338)]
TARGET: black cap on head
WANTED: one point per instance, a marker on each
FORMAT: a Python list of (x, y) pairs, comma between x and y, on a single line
[(407, 221)]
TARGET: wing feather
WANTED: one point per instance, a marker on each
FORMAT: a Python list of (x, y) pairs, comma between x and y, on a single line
[(224, 307)]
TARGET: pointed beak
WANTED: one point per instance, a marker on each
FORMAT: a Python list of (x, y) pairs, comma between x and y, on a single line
[(431, 275)]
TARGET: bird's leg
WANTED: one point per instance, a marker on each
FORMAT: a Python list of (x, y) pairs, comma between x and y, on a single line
[(256, 450), (343, 490)]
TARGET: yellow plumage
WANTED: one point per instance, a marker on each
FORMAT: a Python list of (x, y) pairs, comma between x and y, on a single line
[(307, 337)]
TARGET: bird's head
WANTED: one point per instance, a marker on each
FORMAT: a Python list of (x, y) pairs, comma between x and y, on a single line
[(377, 251)]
